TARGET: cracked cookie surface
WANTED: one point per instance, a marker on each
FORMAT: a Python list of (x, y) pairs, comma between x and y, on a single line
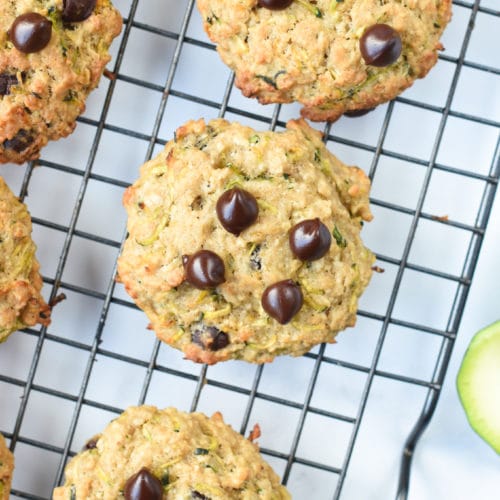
[(310, 51), (219, 295), (186, 455), (42, 92)]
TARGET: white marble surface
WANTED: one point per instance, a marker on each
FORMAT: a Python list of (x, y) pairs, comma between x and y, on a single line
[(452, 462)]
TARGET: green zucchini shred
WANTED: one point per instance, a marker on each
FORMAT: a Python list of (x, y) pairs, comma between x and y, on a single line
[(311, 8), (165, 478), (341, 241), (271, 80)]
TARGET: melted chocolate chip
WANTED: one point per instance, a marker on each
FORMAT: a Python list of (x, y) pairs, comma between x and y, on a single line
[(209, 337), (19, 142), (77, 10), (380, 45), (309, 239), (204, 269), (6, 82), (143, 486), (275, 4), (358, 112), (196, 495), (91, 444), (237, 209), (282, 300), (30, 32)]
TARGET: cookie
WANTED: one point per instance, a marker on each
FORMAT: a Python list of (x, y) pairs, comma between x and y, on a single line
[(21, 303), (332, 56), (52, 54), (169, 454), (6, 469), (246, 245)]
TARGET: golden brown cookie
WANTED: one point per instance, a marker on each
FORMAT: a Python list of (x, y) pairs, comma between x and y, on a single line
[(246, 245), (169, 454), (332, 56), (52, 54), (21, 303), (6, 469)]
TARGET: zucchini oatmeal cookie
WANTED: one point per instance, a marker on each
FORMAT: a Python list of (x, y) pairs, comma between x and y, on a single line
[(160, 454), (245, 245), (6, 469), (332, 56), (52, 54), (21, 303)]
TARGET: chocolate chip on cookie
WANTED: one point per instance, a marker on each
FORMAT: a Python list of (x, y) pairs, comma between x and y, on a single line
[(30, 32), (204, 269), (310, 240), (288, 199), (380, 45), (282, 300), (77, 10), (149, 454), (275, 4), (53, 57), (237, 209), (209, 337), (6, 82), (330, 56), (19, 142), (143, 486)]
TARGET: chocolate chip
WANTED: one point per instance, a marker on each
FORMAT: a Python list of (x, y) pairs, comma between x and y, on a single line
[(6, 82), (275, 4), (143, 486), (282, 300), (204, 269), (309, 239), (358, 112), (196, 495), (209, 337), (77, 10), (30, 32), (91, 444), (237, 209), (19, 142), (380, 45)]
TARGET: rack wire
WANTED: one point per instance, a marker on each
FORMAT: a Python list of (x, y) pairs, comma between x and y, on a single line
[(246, 387)]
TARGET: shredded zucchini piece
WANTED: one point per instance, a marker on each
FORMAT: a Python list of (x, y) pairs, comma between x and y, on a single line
[(156, 233), (267, 206), (271, 341), (311, 8), (218, 313)]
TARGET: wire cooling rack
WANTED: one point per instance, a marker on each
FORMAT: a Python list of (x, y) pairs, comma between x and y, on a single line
[(335, 421)]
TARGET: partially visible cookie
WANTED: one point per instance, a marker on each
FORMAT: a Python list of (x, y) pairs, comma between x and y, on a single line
[(169, 454), (6, 469), (21, 303), (52, 54), (332, 56), (244, 244)]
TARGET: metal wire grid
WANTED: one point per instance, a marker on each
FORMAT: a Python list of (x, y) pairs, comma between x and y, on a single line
[(320, 358)]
